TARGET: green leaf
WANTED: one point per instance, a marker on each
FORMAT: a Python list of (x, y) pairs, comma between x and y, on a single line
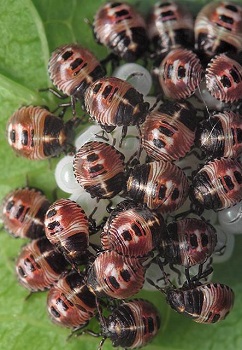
[(30, 30)]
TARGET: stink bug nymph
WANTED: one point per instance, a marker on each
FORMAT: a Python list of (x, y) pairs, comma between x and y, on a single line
[(224, 77), (220, 135), (114, 275), (205, 303), (122, 29), (67, 227), (132, 230), (189, 242), (131, 325), (70, 303), (35, 133), (114, 102), (218, 28), (160, 185), (169, 132), (99, 168), (179, 73), (170, 25), (217, 185), (39, 265), (23, 212), (72, 68)]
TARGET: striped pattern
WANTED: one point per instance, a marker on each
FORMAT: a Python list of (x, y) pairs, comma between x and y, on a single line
[(67, 227), (224, 78), (170, 25), (122, 29), (132, 324), (23, 212), (35, 133), (69, 301), (189, 242), (207, 303), (220, 135), (114, 102), (39, 265), (160, 185), (168, 134), (218, 28), (132, 230), (180, 73), (218, 184), (115, 276), (72, 68), (99, 169)]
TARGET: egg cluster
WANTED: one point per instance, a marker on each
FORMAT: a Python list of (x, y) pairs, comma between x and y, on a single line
[(155, 185)]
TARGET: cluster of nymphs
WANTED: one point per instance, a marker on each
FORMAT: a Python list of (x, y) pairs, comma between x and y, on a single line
[(144, 192)]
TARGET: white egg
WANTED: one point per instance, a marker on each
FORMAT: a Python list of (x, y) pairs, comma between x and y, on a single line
[(93, 132), (225, 245), (157, 276), (130, 144), (189, 163), (207, 99), (64, 175), (136, 75), (193, 271), (231, 219), (211, 216), (90, 204)]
